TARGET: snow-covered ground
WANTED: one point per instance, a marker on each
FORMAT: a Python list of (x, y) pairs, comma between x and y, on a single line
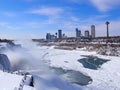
[(43, 79), (40, 57), (9, 81), (105, 78)]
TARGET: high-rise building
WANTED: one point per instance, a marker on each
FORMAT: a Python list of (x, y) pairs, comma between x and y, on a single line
[(87, 33), (48, 36), (78, 32), (93, 31), (59, 34), (53, 37)]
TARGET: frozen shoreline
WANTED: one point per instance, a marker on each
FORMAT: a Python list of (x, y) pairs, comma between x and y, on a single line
[(105, 78)]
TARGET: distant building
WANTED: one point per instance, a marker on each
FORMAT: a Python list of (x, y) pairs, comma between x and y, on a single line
[(53, 37), (63, 36), (48, 36), (87, 33), (59, 34), (56, 34), (93, 31), (107, 23), (78, 33)]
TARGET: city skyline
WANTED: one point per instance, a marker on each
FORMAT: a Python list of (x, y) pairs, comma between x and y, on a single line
[(34, 18), (58, 34)]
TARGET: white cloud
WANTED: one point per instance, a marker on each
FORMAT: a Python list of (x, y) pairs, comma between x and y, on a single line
[(8, 26), (2, 24), (75, 19), (9, 14), (105, 5), (32, 24), (48, 11), (54, 14), (101, 5)]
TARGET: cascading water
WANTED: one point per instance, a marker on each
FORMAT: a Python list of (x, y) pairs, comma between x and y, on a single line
[(4, 63)]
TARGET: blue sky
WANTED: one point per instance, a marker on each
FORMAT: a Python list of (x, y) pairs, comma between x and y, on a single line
[(34, 18)]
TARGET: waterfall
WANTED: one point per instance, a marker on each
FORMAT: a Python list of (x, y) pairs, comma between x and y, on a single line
[(4, 63)]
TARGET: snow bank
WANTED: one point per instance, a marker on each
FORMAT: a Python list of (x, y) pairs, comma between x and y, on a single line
[(9, 81)]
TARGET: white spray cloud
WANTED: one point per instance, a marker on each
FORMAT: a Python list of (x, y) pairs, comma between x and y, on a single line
[(105, 5), (26, 58)]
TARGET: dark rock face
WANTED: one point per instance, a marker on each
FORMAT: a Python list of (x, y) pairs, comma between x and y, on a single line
[(4, 63)]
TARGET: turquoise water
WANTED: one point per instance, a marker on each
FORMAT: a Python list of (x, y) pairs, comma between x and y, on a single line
[(73, 76), (92, 62)]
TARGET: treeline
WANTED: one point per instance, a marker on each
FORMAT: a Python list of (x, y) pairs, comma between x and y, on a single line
[(6, 40)]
